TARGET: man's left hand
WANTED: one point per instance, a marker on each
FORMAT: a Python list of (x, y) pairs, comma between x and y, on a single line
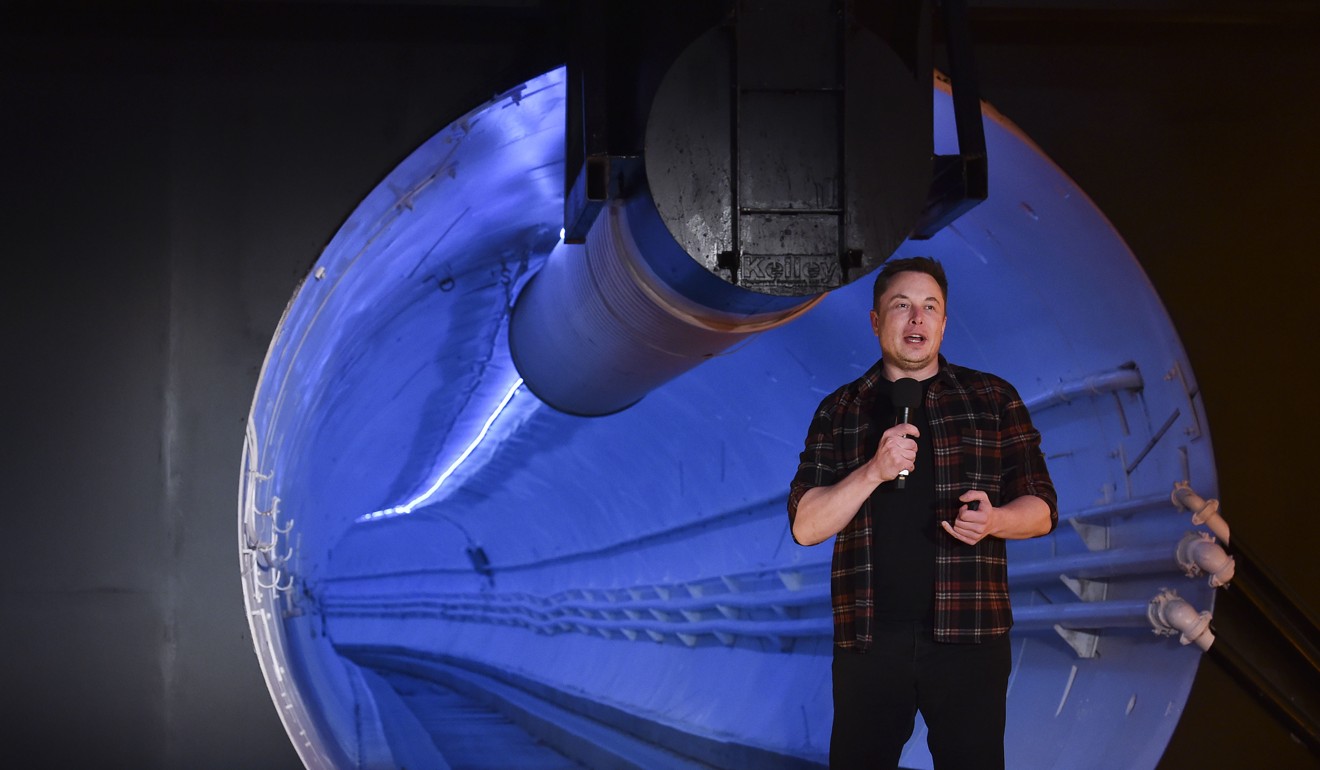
[(972, 526)]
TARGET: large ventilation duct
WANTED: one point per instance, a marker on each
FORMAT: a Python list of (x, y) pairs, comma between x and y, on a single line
[(423, 538), (598, 329)]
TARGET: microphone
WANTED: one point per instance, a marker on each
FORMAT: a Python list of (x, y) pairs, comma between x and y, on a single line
[(906, 396)]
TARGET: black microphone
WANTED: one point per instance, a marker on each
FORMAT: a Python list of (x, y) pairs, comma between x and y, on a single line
[(905, 396)]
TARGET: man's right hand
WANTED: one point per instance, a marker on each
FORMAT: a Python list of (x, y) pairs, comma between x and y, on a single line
[(824, 511), (897, 452)]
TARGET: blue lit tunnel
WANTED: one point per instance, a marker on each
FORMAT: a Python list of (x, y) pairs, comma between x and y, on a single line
[(624, 588)]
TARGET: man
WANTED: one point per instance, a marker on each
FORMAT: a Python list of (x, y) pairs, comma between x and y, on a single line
[(919, 583)]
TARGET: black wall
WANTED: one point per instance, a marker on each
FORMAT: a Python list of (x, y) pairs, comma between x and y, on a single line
[(170, 172)]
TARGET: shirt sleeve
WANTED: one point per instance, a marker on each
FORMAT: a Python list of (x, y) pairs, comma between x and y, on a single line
[(818, 460), (1024, 471)]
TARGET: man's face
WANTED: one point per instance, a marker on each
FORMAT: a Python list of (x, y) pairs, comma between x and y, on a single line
[(909, 320)]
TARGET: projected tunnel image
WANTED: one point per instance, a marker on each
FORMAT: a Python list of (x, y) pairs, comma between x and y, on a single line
[(577, 552)]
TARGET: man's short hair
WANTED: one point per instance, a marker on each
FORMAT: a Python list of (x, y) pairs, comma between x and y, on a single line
[(928, 265)]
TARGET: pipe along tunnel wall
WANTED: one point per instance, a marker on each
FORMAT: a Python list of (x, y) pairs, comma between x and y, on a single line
[(627, 584)]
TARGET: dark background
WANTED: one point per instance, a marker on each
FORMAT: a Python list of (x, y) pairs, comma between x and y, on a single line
[(170, 172)]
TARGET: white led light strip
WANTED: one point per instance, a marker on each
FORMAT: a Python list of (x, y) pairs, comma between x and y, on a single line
[(421, 499)]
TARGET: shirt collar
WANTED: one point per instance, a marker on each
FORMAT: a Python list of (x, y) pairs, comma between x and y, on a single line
[(874, 375)]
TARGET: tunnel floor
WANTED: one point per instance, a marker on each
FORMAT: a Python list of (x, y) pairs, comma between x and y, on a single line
[(470, 735), (477, 722)]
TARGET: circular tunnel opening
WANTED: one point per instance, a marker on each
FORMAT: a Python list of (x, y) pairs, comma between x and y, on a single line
[(418, 530)]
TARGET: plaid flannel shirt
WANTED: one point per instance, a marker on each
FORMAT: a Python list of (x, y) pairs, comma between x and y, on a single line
[(983, 439)]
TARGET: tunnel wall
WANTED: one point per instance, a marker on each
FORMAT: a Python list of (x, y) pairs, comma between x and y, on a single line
[(641, 560)]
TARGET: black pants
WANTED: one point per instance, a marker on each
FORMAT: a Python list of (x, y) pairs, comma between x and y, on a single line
[(960, 690)]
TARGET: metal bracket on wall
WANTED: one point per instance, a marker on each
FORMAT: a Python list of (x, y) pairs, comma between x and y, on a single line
[(1190, 393), (602, 178), (961, 181), (1085, 643)]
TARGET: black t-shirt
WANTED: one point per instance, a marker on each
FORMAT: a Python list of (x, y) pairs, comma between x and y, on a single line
[(903, 524)]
